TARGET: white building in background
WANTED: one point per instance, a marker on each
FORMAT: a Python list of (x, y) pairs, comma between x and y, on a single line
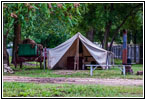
[(9, 49), (98, 44)]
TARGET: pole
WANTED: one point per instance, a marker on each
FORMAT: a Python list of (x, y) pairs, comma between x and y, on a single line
[(76, 61), (107, 61), (124, 57), (135, 47), (91, 70), (77, 54), (44, 58)]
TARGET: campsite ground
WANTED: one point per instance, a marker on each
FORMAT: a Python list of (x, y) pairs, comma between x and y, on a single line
[(31, 81), (113, 72)]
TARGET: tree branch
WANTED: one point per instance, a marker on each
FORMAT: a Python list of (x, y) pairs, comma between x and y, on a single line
[(123, 22), (5, 35)]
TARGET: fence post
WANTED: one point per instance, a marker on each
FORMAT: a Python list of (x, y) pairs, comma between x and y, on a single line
[(124, 57)]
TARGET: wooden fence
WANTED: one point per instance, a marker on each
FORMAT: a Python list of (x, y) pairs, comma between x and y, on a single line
[(133, 52)]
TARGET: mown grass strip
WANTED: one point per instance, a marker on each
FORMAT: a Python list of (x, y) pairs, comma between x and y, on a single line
[(16, 89)]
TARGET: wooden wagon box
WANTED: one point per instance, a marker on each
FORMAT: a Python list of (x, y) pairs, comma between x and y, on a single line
[(27, 50)]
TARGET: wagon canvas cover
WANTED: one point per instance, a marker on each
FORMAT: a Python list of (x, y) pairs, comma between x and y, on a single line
[(57, 57)]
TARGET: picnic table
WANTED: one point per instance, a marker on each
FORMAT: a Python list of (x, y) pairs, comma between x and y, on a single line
[(94, 66)]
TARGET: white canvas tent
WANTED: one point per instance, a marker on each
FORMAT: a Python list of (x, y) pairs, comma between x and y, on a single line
[(77, 46)]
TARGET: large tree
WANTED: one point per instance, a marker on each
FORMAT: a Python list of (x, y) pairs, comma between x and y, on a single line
[(30, 19), (103, 22), (54, 23), (130, 10)]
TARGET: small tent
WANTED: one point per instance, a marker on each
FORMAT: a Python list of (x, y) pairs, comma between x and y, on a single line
[(77, 50)]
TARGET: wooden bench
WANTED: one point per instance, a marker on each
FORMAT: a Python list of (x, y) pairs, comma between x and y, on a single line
[(94, 66)]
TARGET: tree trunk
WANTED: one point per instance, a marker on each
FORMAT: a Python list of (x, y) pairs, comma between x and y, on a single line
[(113, 38), (5, 53), (108, 27), (106, 35), (116, 32), (90, 34), (135, 46), (17, 39)]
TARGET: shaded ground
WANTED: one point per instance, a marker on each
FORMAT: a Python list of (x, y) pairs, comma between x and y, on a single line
[(62, 80)]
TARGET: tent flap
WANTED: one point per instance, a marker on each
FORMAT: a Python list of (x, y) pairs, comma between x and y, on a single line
[(57, 53)]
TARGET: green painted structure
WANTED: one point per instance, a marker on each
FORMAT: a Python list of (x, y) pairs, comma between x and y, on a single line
[(27, 50)]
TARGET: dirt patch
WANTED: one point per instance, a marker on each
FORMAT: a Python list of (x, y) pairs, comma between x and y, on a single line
[(63, 80), (68, 72)]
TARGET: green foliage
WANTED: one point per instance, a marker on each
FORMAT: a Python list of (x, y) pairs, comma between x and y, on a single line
[(41, 21), (98, 15), (38, 20), (14, 89), (135, 26)]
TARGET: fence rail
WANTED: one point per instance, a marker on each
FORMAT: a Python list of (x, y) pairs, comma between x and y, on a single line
[(133, 52)]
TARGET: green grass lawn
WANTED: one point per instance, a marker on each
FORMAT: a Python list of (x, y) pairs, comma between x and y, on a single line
[(114, 72), (16, 89)]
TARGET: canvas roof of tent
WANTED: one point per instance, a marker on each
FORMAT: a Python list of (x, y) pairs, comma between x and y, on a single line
[(57, 57), (71, 52)]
